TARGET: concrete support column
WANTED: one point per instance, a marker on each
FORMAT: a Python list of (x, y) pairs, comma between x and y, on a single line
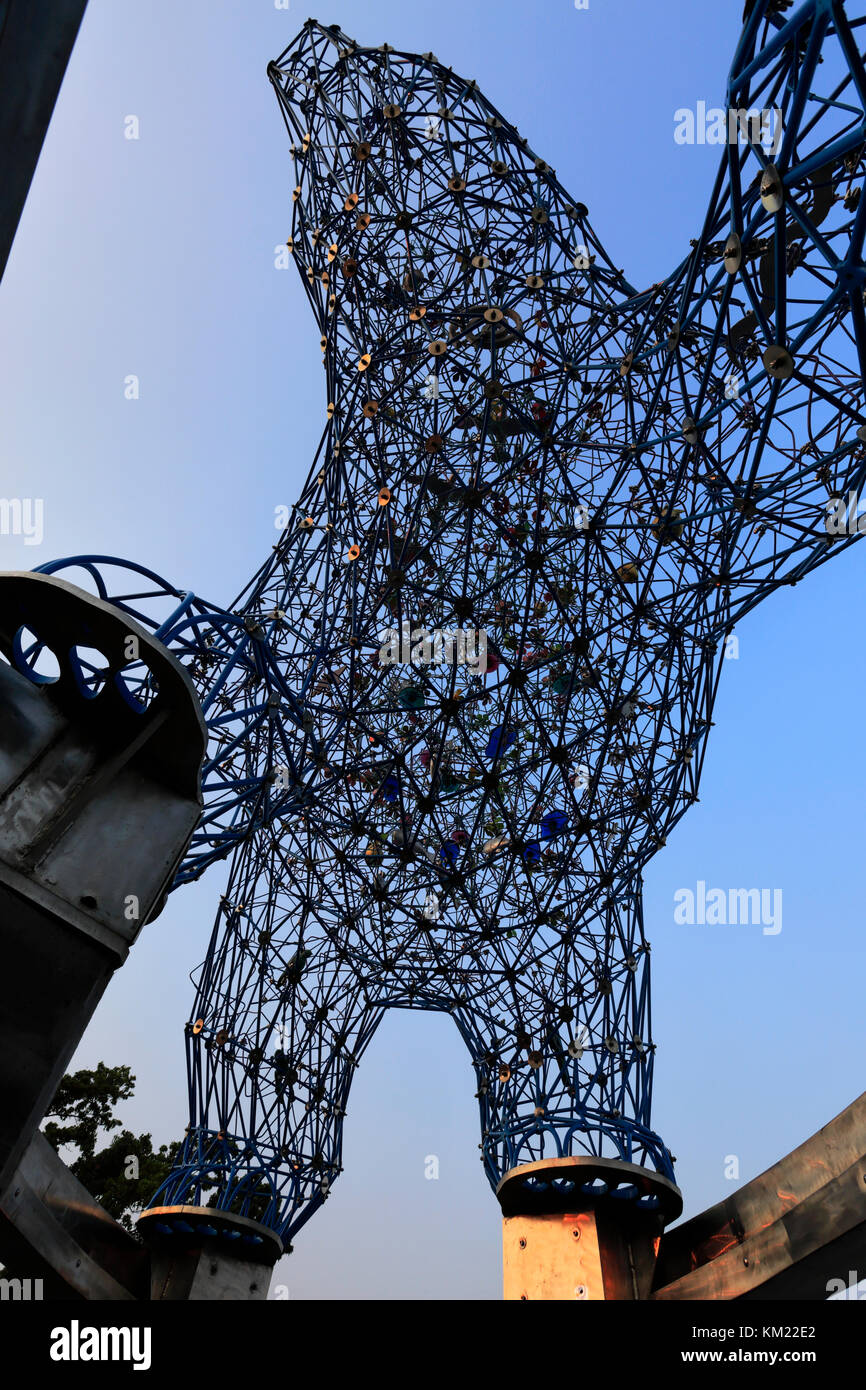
[(583, 1229), (199, 1253)]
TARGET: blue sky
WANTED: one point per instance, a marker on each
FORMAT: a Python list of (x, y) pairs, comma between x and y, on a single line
[(155, 257)]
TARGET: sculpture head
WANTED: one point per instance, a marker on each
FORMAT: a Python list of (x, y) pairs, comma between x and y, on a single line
[(603, 479)]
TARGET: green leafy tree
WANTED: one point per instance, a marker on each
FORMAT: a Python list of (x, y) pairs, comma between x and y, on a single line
[(124, 1174)]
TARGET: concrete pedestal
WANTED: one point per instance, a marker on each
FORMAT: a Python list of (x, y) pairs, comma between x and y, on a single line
[(198, 1253), (583, 1229)]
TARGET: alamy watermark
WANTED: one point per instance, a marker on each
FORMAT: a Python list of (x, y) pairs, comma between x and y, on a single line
[(849, 1288), (423, 646), (22, 516), (759, 907), (716, 126), (843, 517), (77, 1343), (21, 1290)]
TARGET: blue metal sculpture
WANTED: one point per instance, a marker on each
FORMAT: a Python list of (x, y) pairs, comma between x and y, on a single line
[(598, 480)]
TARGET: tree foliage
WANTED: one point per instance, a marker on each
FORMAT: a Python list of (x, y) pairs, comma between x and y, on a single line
[(122, 1175)]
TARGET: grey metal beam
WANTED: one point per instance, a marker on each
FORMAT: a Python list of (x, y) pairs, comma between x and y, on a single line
[(52, 1229), (36, 38), (99, 797)]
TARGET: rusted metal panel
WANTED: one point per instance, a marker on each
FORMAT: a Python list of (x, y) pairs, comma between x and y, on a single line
[(785, 1233)]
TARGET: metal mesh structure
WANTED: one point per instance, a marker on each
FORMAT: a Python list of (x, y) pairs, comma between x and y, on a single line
[(594, 481)]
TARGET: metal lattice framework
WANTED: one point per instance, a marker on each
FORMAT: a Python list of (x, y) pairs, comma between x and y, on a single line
[(603, 480)]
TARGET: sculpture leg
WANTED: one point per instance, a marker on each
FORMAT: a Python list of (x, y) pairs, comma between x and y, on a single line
[(281, 1019), (585, 1186)]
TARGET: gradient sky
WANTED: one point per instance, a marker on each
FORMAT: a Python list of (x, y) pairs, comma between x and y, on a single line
[(155, 257)]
